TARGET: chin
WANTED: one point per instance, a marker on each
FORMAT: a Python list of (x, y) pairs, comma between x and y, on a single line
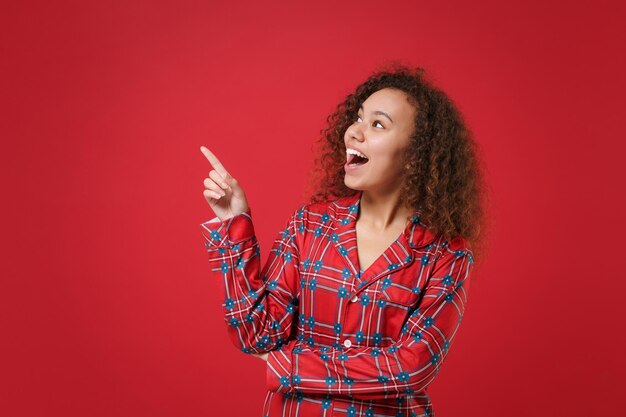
[(354, 187)]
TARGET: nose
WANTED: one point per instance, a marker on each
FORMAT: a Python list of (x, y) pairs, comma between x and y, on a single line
[(355, 132)]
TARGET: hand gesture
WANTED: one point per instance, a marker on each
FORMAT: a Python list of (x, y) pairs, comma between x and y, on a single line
[(223, 192)]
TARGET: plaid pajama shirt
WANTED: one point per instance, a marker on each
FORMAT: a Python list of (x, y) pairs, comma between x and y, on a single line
[(341, 341)]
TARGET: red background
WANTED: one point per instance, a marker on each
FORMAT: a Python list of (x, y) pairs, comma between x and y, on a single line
[(107, 305)]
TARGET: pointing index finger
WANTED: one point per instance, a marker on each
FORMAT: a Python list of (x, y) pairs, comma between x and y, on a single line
[(217, 165)]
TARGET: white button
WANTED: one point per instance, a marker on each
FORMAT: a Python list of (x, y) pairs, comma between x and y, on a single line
[(354, 299), (347, 343)]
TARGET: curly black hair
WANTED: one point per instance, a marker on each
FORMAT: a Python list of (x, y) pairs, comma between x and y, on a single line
[(442, 177)]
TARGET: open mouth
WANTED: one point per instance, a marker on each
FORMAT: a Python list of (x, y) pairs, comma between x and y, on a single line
[(356, 160)]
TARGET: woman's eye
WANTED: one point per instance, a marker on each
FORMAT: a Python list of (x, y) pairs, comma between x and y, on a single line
[(358, 118)]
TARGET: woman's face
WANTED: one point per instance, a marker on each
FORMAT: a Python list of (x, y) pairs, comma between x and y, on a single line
[(381, 132)]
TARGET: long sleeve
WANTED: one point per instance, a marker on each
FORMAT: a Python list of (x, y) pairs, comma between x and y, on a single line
[(260, 303), (407, 366)]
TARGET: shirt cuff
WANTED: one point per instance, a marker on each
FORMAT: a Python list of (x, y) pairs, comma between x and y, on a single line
[(228, 232)]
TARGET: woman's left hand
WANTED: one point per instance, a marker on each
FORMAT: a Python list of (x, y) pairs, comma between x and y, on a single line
[(261, 355)]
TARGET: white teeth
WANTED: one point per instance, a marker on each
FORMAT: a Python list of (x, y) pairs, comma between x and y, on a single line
[(351, 151)]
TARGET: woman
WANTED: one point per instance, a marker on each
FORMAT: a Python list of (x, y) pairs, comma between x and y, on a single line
[(365, 288)]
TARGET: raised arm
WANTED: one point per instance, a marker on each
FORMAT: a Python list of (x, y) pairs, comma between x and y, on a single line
[(259, 303)]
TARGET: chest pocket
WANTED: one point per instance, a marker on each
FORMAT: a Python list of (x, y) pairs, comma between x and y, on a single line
[(391, 303), (399, 294), (399, 289)]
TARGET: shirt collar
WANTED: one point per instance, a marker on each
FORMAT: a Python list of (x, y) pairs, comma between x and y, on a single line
[(416, 235)]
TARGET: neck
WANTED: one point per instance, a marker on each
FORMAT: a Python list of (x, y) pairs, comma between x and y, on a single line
[(383, 210)]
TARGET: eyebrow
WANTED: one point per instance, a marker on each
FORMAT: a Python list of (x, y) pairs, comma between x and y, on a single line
[(381, 113)]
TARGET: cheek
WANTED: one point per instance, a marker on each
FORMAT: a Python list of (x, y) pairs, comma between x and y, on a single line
[(387, 158), (386, 147), (386, 166)]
